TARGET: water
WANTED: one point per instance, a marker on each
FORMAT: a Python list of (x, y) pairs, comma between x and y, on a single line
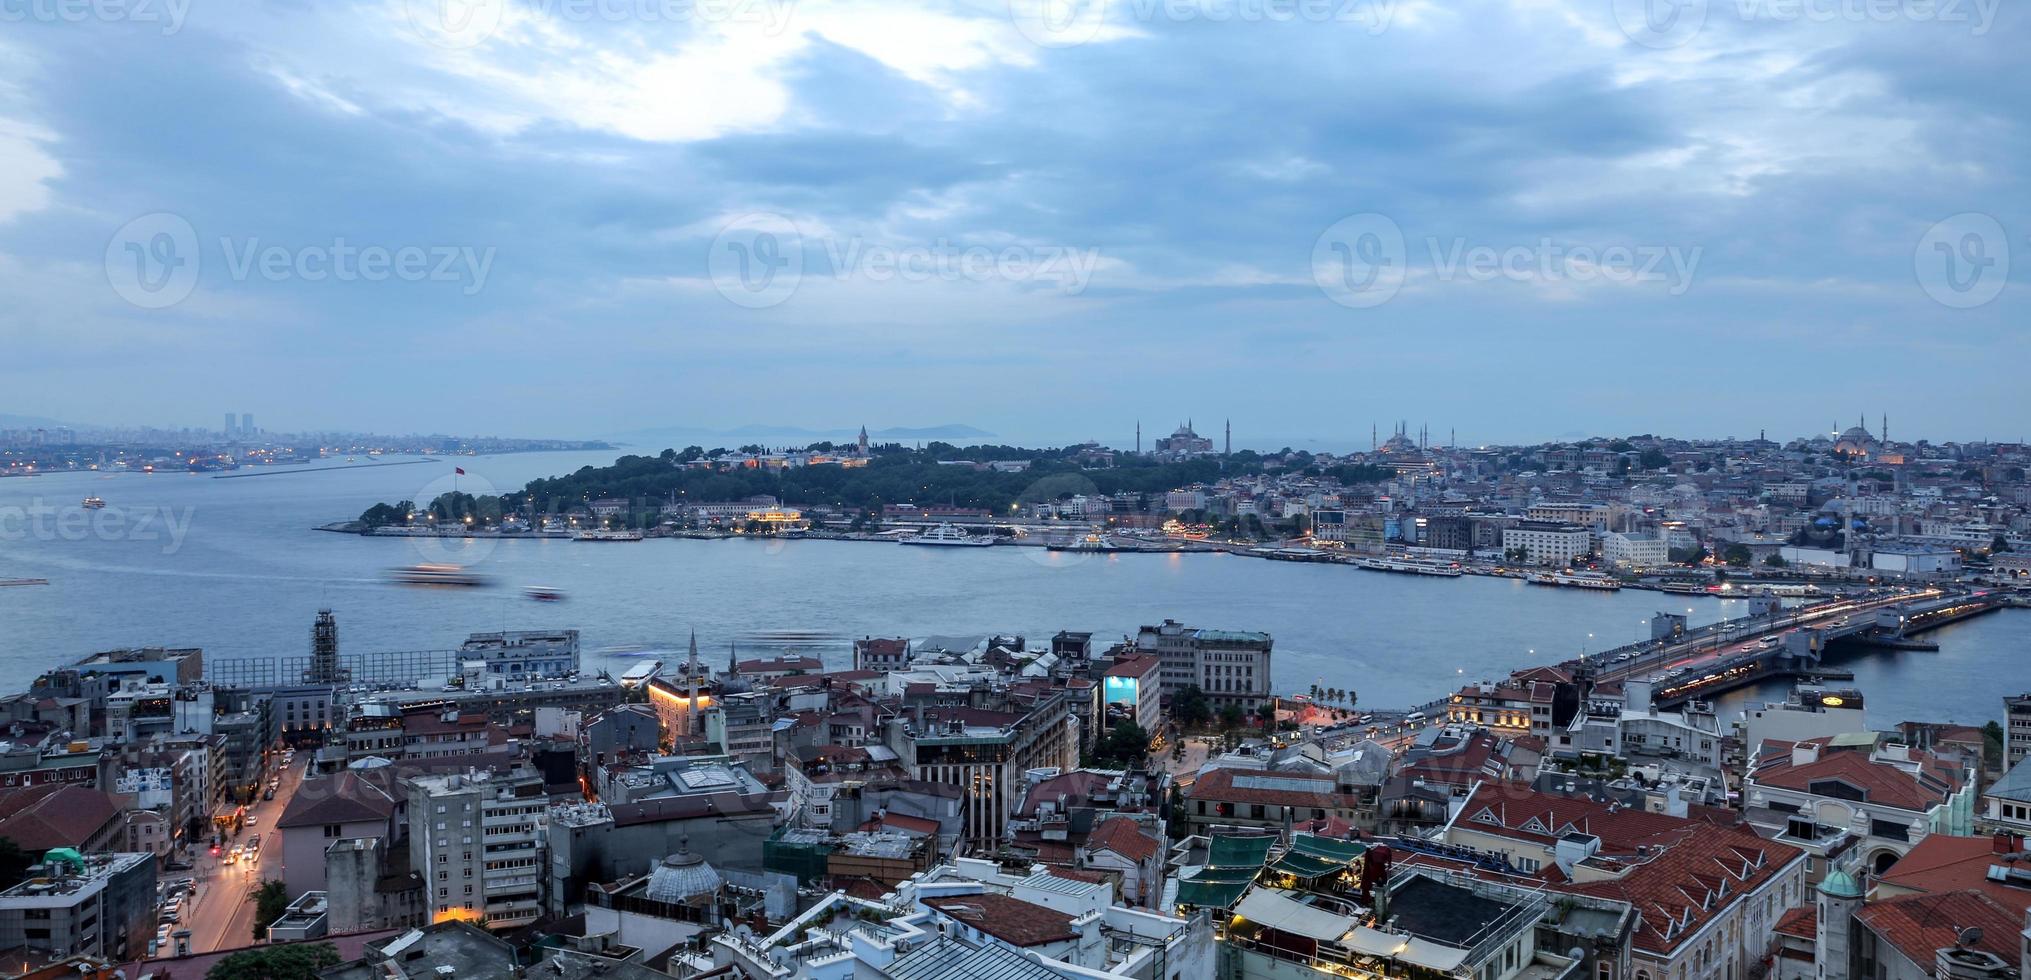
[(250, 573)]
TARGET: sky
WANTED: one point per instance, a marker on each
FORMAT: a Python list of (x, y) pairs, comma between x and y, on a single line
[(1516, 220)]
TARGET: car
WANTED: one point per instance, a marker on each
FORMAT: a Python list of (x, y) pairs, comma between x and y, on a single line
[(254, 841), (268, 794), (252, 820)]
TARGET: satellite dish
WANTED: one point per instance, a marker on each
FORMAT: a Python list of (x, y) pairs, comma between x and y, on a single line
[(1968, 936)]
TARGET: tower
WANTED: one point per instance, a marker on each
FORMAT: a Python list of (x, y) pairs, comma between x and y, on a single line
[(1229, 450), (246, 425), (1138, 437), (861, 446), (1838, 898), (324, 668), (229, 429)]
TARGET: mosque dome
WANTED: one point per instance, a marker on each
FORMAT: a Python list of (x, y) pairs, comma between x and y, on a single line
[(682, 877)]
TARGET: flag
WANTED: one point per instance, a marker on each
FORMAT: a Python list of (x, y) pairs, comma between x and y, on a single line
[(460, 470)]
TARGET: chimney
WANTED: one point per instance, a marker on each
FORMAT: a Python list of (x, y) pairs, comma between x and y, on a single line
[(1804, 753), (2003, 844)]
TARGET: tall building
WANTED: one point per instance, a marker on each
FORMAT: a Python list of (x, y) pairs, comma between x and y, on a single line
[(2016, 730), (477, 840), (246, 425), (229, 430), (1231, 666), (985, 753)]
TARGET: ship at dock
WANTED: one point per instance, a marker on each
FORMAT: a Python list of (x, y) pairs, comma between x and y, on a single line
[(945, 535), (1577, 580)]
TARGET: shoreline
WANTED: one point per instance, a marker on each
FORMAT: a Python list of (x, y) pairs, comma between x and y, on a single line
[(1264, 552)]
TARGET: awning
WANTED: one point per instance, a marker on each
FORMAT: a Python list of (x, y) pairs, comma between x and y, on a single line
[(1232, 851), (1375, 942), (1272, 908), (1306, 866), (1327, 848), (1210, 894), (1433, 956)]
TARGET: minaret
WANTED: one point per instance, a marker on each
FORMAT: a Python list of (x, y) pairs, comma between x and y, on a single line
[(1373, 445), (1138, 437), (691, 669), (732, 660), (1229, 451)]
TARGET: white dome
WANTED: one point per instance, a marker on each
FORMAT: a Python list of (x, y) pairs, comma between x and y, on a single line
[(681, 877)]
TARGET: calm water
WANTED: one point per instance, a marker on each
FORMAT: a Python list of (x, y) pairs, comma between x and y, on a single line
[(250, 573)]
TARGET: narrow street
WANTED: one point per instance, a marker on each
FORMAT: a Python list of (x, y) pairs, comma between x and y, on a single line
[(220, 912)]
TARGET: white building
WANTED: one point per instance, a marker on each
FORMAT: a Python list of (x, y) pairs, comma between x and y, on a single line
[(1548, 544), (1636, 549)]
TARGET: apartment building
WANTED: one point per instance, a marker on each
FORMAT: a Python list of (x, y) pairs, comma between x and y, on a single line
[(1231, 666), (477, 840), (1825, 795), (1545, 543)]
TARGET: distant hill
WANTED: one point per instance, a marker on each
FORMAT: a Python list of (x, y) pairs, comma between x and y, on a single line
[(779, 435), (31, 422)]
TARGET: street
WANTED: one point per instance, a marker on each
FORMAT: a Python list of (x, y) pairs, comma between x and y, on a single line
[(220, 912)]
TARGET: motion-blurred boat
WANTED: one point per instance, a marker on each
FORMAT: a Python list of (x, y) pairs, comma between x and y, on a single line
[(446, 576), (544, 593)]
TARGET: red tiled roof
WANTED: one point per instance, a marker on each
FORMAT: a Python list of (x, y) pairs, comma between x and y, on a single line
[(1123, 837), (1801, 922), (1883, 782), (41, 817), (1678, 873), (1943, 863), (1219, 785), (1011, 920), (1921, 925), (344, 798)]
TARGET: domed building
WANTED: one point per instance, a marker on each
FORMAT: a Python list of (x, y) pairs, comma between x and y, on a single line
[(683, 879), (1857, 442)]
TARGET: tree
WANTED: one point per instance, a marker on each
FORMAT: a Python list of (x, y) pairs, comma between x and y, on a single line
[(1775, 560), (1992, 743), (1231, 717), (1737, 555), (1190, 708), (1124, 746), (270, 901), (2000, 545), (1654, 459), (290, 961)]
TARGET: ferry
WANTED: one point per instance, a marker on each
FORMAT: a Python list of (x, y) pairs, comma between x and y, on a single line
[(608, 536), (93, 503), (1091, 543), (945, 535), (544, 593), (1684, 588), (1411, 566), (1577, 580), (447, 576)]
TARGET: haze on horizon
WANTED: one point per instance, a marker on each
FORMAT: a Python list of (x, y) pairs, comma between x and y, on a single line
[(608, 218)]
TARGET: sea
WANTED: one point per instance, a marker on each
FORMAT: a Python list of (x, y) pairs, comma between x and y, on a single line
[(235, 566)]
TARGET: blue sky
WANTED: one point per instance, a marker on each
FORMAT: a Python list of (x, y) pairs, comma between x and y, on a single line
[(596, 216)]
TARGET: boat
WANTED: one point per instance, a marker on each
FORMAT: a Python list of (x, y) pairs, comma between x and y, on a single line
[(11, 583), (1577, 580), (1092, 544), (544, 593), (945, 535), (1412, 566), (447, 576), (1684, 588), (93, 503), (608, 536)]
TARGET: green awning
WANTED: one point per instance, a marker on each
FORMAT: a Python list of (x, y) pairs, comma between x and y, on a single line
[(1201, 893), (1231, 851), (1306, 866), (1328, 848)]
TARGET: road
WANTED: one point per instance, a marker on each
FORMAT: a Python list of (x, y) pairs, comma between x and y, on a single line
[(220, 914)]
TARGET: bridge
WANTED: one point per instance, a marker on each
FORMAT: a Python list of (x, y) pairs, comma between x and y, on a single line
[(1776, 643)]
